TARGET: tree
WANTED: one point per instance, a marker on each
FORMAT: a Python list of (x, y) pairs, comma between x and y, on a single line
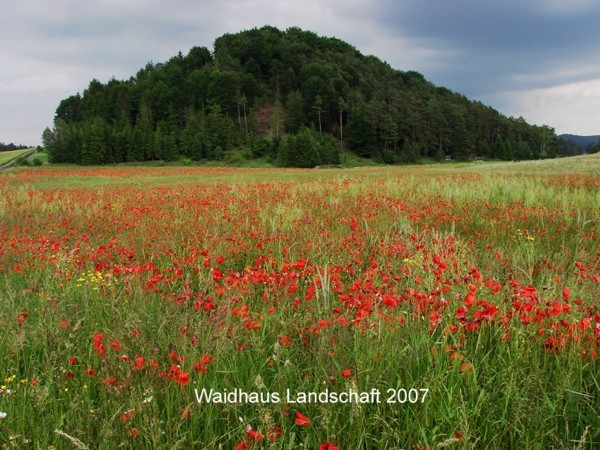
[(295, 112), (360, 137), (341, 108), (57, 142), (49, 142), (70, 109), (317, 108)]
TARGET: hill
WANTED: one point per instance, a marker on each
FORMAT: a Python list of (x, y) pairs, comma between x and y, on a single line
[(292, 97), (585, 143)]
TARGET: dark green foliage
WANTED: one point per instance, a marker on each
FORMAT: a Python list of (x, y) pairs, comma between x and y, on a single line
[(308, 149), (265, 87), (9, 147)]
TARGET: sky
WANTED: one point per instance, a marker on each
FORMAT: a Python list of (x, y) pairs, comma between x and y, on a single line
[(538, 59)]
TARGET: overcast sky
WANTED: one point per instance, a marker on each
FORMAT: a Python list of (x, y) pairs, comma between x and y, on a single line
[(539, 59)]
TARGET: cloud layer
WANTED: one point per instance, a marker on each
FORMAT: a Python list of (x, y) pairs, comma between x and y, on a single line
[(537, 59)]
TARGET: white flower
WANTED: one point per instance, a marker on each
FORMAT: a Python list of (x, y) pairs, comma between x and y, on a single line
[(2, 415)]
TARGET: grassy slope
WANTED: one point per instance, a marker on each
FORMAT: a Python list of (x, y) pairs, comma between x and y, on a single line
[(6, 157)]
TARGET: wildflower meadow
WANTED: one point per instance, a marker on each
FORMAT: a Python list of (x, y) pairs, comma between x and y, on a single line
[(416, 307)]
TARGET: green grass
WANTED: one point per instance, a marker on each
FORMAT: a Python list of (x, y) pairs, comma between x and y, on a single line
[(6, 157)]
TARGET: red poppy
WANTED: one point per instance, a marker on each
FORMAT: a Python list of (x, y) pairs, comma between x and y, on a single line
[(327, 446), (175, 374), (127, 416), (470, 298), (346, 373), (244, 445), (254, 435), (274, 432), (302, 420), (284, 340)]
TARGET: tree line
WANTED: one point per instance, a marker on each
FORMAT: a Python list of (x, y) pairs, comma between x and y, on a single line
[(292, 97), (9, 147)]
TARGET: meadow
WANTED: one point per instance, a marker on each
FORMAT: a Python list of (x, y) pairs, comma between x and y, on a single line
[(420, 307), (8, 156)]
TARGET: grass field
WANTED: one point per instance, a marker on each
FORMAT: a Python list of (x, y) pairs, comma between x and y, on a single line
[(6, 157), (444, 306)]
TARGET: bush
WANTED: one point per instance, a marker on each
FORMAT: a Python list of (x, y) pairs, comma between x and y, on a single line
[(388, 157), (308, 149), (20, 161)]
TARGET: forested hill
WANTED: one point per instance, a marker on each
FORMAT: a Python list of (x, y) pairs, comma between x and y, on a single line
[(291, 97)]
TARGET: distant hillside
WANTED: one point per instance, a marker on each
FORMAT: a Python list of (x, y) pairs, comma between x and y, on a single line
[(584, 142), (290, 97)]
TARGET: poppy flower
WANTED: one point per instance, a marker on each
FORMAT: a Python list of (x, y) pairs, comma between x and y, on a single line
[(302, 420), (346, 373), (274, 432), (244, 445), (284, 340), (254, 435), (470, 298), (327, 446), (175, 374)]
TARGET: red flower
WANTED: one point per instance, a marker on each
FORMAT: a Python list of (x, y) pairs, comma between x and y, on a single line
[(284, 340), (199, 367), (175, 356), (116, 344), (255, 435), (73, 360), (206, 359), (175, 374), (302, 420), (470, 298), (346, 373), (328, 446), (127, 416), (274, 432), (139, 362), (244, 445), (100, 348), (202, 365)]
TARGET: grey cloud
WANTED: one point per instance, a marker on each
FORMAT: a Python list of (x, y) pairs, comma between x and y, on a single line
[(485, 49)]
